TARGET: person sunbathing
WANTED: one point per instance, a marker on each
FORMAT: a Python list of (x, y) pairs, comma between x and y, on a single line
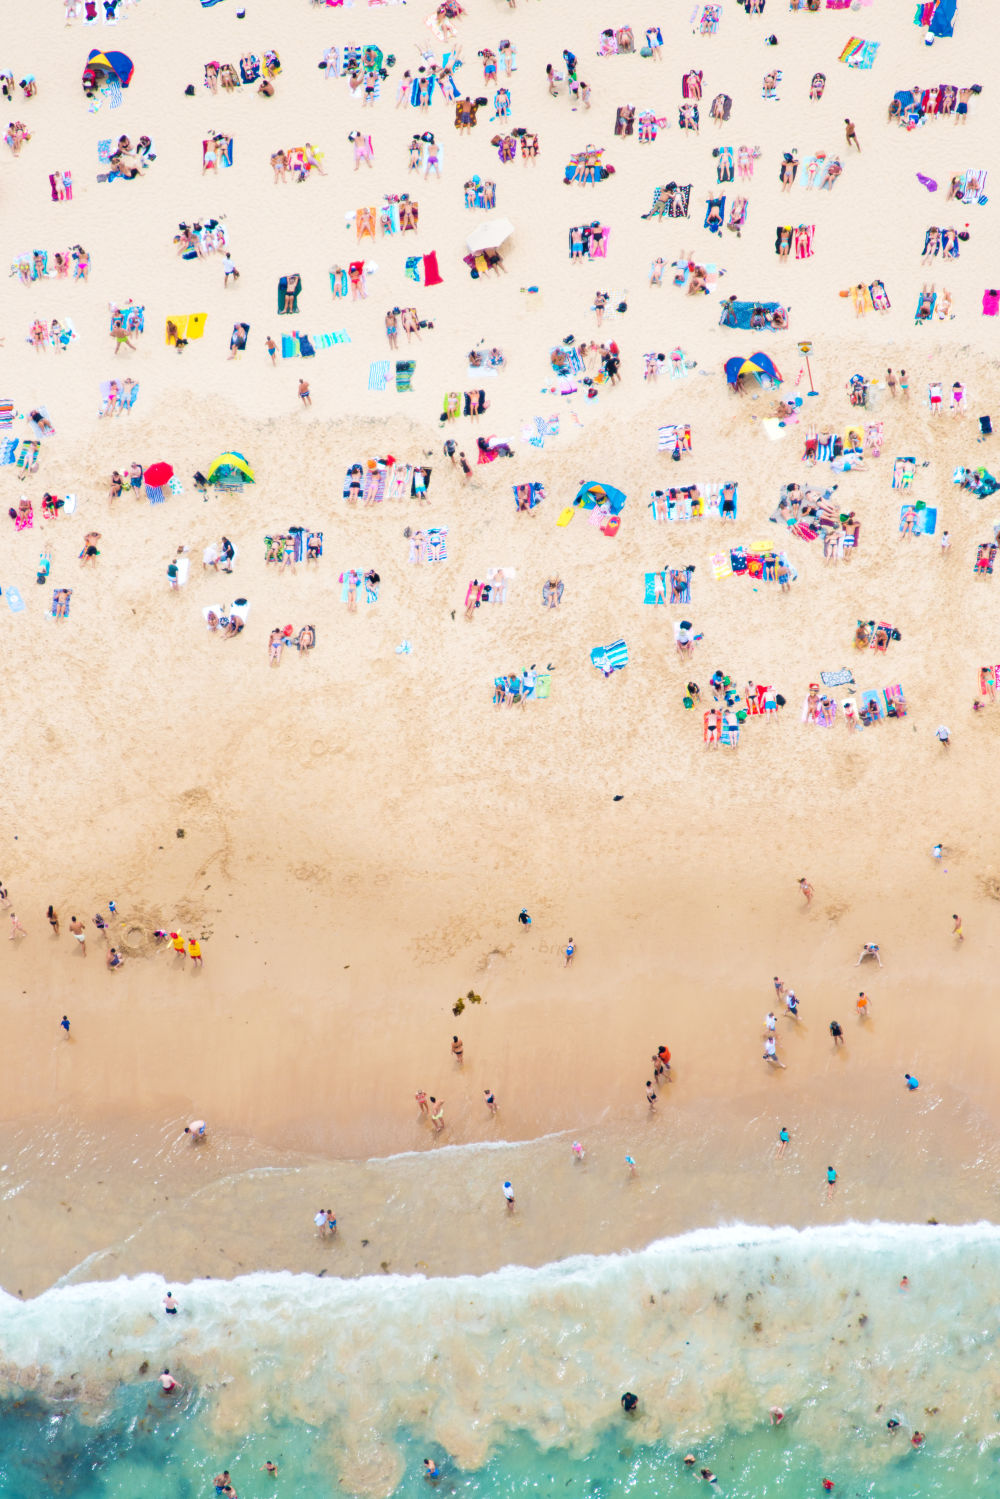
[(233, 626), (306, 638), (274, 645), (61, 602)]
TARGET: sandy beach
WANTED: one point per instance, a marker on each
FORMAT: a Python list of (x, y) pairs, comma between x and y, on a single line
[(352, 834)]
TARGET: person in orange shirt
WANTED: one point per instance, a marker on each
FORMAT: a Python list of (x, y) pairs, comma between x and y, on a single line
[(862, 1005), (194, 951), (177, 942)]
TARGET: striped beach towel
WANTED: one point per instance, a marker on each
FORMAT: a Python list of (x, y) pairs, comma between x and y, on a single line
[(6, 412), (113, 89), (404, 373), (155, 492), (378, 374), (722, 566)]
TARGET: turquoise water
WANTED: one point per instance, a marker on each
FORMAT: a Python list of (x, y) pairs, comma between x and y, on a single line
[(512, 1381)]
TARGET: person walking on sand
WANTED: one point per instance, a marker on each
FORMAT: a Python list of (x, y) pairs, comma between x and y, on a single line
[(792, 1004), (779, 987), (508, 1192), (650, 1095), (890, 380), (783, 1139), (837, 1033), (52, 916), (78, 931), (437, 1115), (304, 395), (194, 951), (272, 348), (64, 1022), (851, 134), (523, 917), (956, 930), (421, 1098), (569, 953), (831, 1182), (807, 890), (490, 1100), (771, 1052), (630, 1163), (16, 929), (861, 1004), (457, 1049)]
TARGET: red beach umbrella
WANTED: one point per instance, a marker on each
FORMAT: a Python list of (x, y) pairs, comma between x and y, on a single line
[(158, 474)]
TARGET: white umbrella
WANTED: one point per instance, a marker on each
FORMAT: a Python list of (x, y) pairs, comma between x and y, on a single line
[(490, 235)]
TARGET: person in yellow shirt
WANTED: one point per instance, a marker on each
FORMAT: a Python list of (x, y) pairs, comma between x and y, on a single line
[(177, 942), (194, 951)]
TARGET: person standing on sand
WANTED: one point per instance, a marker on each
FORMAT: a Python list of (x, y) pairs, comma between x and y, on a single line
[(437, 1115), (650, 1096), (523, 917), (304, 395), (771, 1053), (851, 134), (890, 380), (956, 930), (831, 1182), (77, 930), (807, 890), (64, 1022), (837, 1033), (457, 1049), (272, 348), (16, 929), (53, 919), (421, 1098), (508, 1192), (491, 1102), (783, 1139), (570, 952), (861, 1004)]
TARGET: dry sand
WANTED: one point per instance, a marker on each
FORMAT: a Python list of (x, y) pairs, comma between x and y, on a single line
[(360, 828)]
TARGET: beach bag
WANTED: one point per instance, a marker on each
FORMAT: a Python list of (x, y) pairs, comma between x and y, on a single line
[(645, 51)]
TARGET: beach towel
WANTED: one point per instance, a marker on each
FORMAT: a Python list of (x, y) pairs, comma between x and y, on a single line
[(14, 600), (608, 659), (673, 435), (8, 451), (870, 702), (842, 678), (895, 702), (859, 54), (655, 588), (378, 374), (750, 315), (432, 276), (6, 412), (155, 493), (404, 373), (55, 594), (283, 292), (722, 566)]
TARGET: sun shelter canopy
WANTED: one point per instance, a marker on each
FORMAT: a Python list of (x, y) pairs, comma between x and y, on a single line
[(490, 236), (115, 63), (230, 468), (759, 366), (592, 493)]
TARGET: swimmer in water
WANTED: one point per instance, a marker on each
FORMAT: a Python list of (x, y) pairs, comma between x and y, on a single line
[(630, 1403), (431, 1469), (708, 1475), (777, 1415)]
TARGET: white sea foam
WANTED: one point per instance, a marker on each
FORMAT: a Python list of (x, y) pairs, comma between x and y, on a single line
[(709, 1328)]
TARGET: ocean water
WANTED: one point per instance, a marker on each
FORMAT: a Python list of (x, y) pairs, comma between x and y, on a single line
[(511, 1381)]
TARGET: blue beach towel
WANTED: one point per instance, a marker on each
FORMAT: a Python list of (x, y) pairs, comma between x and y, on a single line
[(378, 374), (650, 593), (14, 600)]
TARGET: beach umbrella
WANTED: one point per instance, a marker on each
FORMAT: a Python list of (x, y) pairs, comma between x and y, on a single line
[(158, 474), (490, 236), (112, 62)]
